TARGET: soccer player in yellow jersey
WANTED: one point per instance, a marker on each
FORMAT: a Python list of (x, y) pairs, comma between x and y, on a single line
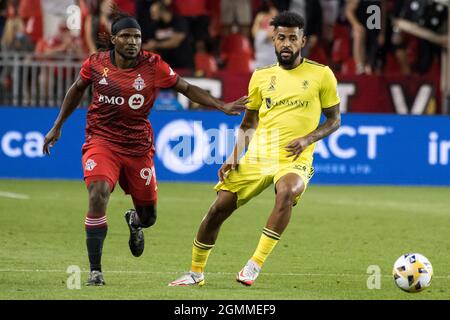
[(279, 132)]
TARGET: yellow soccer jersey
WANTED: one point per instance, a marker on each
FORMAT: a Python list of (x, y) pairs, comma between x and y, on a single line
[(290, 103)]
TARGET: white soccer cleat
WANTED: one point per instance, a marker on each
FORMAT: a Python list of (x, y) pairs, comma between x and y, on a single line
[(189, 279), (249, 273)]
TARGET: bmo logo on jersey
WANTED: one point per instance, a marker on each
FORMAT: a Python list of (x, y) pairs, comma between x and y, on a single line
[(111, 100), (136, 101)]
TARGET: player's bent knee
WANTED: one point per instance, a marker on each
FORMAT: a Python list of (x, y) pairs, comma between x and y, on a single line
[(98, 196), (147, 215), (286, 196), (149, 220), (217, 214)]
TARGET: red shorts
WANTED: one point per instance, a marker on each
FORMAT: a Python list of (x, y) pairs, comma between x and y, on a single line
[(136, 175)]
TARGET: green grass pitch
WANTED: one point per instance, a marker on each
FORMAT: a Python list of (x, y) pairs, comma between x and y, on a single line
[(334, 235)]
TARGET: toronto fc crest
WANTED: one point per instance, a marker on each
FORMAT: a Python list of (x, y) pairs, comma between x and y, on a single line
[(90, 165), (139, 83)]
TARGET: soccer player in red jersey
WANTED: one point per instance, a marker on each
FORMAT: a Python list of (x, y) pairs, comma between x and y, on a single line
[(119, 144)]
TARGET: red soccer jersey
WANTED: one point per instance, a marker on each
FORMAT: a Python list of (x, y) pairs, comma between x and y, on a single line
[(122, 99)]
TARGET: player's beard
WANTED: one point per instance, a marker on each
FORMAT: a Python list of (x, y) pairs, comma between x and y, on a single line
[(289, 61)]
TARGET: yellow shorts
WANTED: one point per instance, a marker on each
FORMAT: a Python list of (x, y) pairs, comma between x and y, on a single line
[(249, 180)]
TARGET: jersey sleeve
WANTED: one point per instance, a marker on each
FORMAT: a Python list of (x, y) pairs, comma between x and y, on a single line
[(254, 93), (85, 71), (165, 77), (329, 95)]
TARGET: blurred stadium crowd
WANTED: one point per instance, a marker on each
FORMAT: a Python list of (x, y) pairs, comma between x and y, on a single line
[(234, 34), (202, 37)]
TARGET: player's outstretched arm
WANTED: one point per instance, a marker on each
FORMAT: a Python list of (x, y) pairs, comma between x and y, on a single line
[(204, 98), (71, 101), (330, 125), (244, 136)]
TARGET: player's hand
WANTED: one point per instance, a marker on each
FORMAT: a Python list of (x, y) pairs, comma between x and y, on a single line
[(50, 139), (297, 146), (234, 108), (226, 168)]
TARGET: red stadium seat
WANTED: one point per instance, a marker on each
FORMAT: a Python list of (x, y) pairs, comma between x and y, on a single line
[(341, 50), (318, 54), (239, 63), (341, 31), (392, 67), (215, 24), (205, 64), (235, 43), (348, 67)]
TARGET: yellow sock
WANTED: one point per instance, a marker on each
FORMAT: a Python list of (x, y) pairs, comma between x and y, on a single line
[(200, 253), (267, 242)]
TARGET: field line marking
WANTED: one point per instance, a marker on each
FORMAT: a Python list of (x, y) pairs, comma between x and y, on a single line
[(13, 195), (210, 273)]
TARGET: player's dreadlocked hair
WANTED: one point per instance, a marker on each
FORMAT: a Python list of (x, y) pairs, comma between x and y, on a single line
[(288, 19), (103, 40)]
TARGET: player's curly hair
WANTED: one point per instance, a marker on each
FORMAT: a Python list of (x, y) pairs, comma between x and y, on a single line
[(288, 19)]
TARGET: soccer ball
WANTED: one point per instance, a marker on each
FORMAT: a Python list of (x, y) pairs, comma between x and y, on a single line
[(412, 272)]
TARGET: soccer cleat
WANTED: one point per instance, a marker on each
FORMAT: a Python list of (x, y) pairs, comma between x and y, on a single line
[(136, 241), (95, 279), (189, 279), (249, 273)]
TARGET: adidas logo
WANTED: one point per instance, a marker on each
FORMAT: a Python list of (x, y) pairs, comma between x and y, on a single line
[(103, 81)]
